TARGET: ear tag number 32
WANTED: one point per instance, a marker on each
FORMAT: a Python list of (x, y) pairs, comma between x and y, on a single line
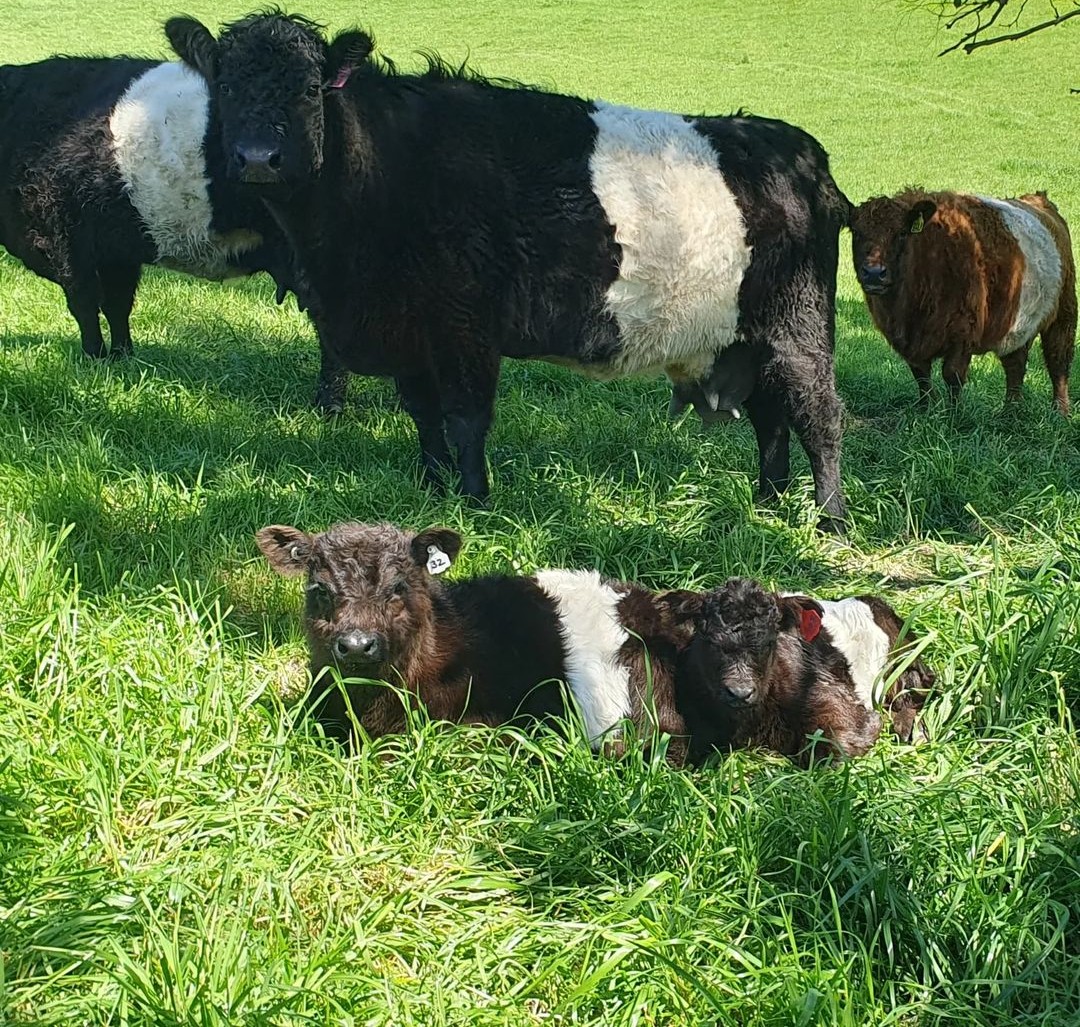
[(438, 561)]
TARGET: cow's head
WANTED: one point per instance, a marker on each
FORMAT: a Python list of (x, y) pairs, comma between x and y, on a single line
[(269, 75), (370, 589), (881, 229), (736, 631)]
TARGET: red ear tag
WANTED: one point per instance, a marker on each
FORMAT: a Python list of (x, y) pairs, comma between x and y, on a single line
[(810, 624), (342, 78)]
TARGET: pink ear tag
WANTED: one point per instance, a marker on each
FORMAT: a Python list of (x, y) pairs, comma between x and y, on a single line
[(810, 625), (341, 78)]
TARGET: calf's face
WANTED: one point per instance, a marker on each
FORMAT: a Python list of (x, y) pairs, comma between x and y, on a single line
[(880, 230), (369, 591), (733, 648), (268, 76)]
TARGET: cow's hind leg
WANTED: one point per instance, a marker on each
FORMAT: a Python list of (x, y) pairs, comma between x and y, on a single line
[(118, 284), (1058, 342), (420, 397), (1015, 365), (769, 417), (809, 388)]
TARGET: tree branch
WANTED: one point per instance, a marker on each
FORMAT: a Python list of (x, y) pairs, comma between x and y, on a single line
[(1008, 37), (974, 20)]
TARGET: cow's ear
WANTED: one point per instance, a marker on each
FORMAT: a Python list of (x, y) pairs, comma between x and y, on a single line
[(436, 549), (287, 549), (919, 214), (345, 53), (194, 45)]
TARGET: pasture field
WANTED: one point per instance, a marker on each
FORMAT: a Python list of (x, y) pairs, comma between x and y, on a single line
[(177, 848)]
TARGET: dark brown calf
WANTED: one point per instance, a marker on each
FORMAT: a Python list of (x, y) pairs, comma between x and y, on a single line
[(948, 275), (771, 670), (486, 650)]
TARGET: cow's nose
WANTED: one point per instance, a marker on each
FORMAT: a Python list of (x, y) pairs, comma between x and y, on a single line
[(367, 646), (873, 273), (257, 164)]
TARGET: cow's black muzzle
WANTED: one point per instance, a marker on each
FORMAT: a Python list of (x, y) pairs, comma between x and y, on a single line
[(257, 165)]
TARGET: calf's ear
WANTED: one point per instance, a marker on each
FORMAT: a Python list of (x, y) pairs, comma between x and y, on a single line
[(194, 45), (681, 604), (287, 549), (800, 614), (436, 548), (345, 53), (919, 214)]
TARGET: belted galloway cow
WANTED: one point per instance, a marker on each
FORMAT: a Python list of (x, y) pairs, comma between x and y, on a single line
[(111, 163), (444, 221), (950, 275)]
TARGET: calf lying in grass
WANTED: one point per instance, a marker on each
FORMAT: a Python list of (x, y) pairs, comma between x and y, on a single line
[(769, 670), (488, 650)]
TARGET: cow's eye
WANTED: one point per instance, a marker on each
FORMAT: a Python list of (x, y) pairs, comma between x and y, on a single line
[(313, 91), (320, 593), (400, 589), (224, 88)]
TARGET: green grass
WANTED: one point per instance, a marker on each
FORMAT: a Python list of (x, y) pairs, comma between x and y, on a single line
[(176, 847)]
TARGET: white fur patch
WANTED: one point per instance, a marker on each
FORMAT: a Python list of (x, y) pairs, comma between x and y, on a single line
[(684, 249), (590, 625), (1041, 287), (158, 127), (853, 630)]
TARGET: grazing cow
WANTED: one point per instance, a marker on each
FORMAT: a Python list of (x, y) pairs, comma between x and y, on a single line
[(107, 164), (444, 221), (486, 650), (770, 670), (950, 275)]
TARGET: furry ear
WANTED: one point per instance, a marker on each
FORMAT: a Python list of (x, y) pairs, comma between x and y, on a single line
[(919, 214), (287, 549), (800, 615), (344, 54), (681, 604), (430, 543), (194, 45)]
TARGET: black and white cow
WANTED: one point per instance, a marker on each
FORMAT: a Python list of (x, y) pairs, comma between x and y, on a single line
[(107, 164), (444, 221)]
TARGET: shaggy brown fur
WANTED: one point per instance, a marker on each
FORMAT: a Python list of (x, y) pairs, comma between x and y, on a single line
[(942, 274)]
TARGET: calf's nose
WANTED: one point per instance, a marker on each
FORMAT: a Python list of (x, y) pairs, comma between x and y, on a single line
[(257, 164), (873, 274), (741, 693), (360, 645)]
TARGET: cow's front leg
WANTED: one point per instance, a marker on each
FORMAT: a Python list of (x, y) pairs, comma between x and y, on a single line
[(420, 397), (920, 371), (332, 384), (468, 381), (1015, 365), (955, 372)]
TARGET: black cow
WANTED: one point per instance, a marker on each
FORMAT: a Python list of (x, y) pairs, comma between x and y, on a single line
[(107, 164), (444, 221)]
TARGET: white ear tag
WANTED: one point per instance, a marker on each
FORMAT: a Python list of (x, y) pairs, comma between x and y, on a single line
[(438, 561)]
